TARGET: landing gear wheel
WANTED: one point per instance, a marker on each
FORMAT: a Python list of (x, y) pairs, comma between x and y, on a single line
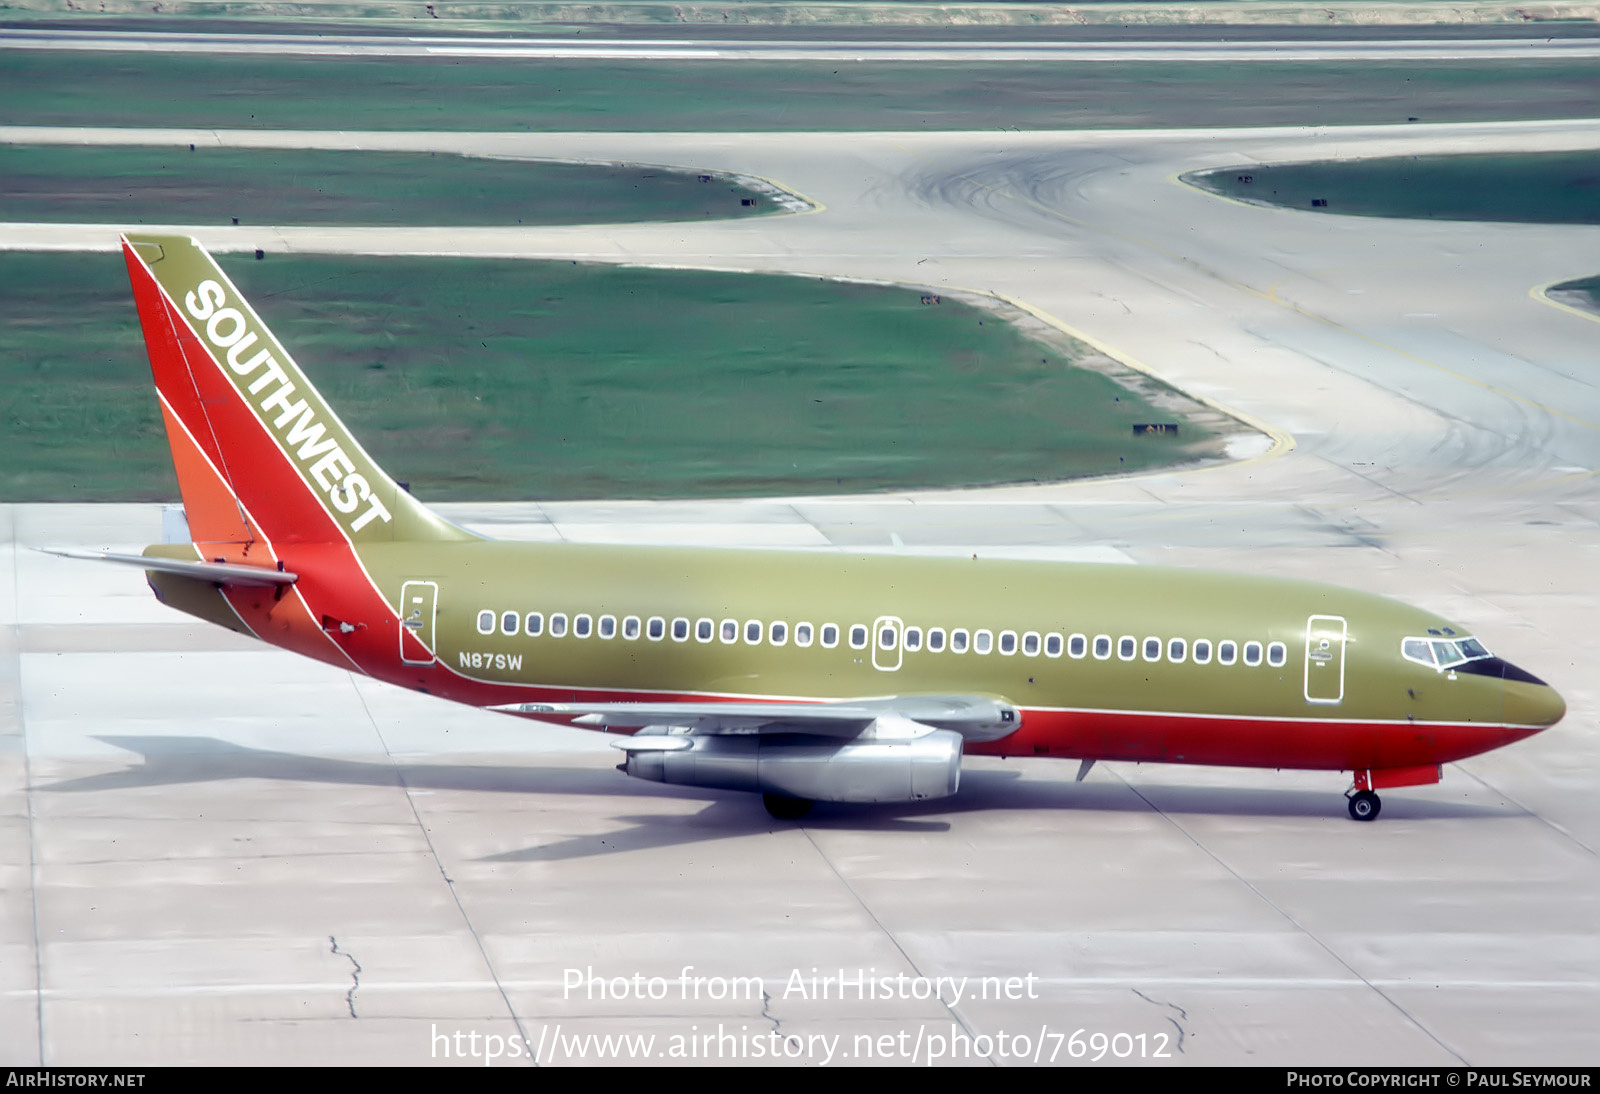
[(1364, 806), (786, 808)]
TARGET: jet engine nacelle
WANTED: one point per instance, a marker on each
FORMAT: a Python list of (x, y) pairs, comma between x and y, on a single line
[(794, 765)]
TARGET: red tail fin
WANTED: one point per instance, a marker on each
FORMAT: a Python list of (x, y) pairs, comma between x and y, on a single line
[(259, 454)]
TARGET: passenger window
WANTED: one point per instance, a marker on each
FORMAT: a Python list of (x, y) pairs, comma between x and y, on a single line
[(1127, 647), (534, 624), (680, 629), (1152, 649), (582, 626), (752, 632), (1202, 651), (704, 630), (608, 626), (913, 639), (802, 634), (1176, 649), (630, 628), (558, 625), (510, 623), (830, 635), (958, 641), (1077, 646), (1008, 643), (486, 622), (1052, 645), (982, 642), (1227, 652), (936, 640), (1102, 647), (778, 633), (730, 630), (1252, 653), (1277, 654), (886, 637), (1030, 644), (858, 637), (656, 629)]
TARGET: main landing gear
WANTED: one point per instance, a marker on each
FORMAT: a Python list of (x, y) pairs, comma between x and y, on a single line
[(1364, 805), (784, 808)]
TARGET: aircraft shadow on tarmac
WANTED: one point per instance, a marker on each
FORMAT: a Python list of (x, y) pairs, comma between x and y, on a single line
[(170, 760)]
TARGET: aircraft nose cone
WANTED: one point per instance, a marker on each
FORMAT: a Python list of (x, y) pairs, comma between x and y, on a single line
[(1533, 704)]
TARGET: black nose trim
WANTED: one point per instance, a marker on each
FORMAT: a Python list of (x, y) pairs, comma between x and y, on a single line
[(1499, 668)]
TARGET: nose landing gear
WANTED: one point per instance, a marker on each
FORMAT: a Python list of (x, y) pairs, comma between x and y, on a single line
[(1364, 804)]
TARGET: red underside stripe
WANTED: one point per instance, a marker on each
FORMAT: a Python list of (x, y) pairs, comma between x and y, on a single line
[(1311, 743), (1308, 744)]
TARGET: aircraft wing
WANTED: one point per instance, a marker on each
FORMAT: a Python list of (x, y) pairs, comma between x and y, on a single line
[(975, 717)]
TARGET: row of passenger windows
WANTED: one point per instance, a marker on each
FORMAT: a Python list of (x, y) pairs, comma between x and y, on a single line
[(755, 632)]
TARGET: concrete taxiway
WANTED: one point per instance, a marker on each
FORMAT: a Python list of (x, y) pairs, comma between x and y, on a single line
[(700, 50), (215, 852)]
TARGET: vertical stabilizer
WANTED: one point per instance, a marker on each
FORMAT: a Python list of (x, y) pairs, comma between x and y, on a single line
[(258, 452)]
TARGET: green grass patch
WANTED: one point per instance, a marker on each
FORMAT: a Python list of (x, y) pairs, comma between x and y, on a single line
[(489, 380), (238, 91), (1538, 188), (126, 184)]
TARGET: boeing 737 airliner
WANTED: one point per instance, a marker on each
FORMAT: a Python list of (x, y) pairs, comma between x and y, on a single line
[(801, 676)]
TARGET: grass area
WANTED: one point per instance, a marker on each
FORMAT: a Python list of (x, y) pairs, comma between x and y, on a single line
[(1542, 188), (241, 91), (1583, 293), (207, 185), (489, 380)]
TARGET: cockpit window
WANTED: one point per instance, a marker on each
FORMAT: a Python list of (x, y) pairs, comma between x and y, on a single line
[(1417, 649), (1440, 654)]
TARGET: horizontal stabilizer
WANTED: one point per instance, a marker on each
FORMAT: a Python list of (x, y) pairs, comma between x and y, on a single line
[(220, 573)]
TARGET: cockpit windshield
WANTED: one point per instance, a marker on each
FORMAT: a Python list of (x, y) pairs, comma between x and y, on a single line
[(1442, 653)]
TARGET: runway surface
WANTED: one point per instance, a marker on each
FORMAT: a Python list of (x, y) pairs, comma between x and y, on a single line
[(203, 838), (1027, 48)]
